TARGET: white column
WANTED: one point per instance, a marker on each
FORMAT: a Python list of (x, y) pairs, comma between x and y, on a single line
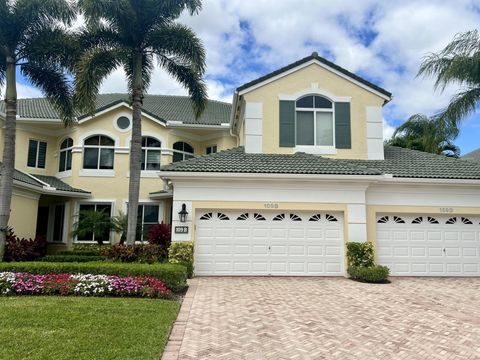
[(357, 222), (375, 133), (253, 127)]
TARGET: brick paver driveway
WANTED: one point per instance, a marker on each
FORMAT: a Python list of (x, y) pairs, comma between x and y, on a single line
[(330, 318)]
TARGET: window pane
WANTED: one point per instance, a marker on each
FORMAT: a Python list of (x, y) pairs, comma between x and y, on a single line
[(106, 141), (306, 102), (187, 148), (64, 144), (150, 214), (90, 158), (86, 207), (186, 156), (42, 154), (32, 153), (322, 103), (143, 166), (152, 142), (305, 131), (153, 159), (94, 140), (177, 157), (62, 161), (123, 122), (178, 146), (324, 129), (58, 223), (69, 160), (106, 158)]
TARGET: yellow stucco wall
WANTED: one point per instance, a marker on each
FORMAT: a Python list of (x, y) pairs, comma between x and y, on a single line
[(301, 80), (23, 209)]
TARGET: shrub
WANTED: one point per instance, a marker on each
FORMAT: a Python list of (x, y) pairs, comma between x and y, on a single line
[(21, 249), (85, 285), (371, 274), (161, 235), (85, 249), (173, 275), (360, 254), (71, 258), (182, 253), (135, 253)]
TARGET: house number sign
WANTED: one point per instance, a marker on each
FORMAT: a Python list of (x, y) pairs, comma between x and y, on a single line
[(270, 205), (181, 229), (446, 210)]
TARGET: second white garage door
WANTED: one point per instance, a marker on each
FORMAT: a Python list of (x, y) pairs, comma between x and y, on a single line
[(269, 243), (429, 245)]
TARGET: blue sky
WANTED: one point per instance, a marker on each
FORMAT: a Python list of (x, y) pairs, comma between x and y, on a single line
[(382, 41)]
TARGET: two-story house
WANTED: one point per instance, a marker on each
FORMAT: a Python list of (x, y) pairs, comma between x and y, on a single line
[(274, 184), (312, 173)]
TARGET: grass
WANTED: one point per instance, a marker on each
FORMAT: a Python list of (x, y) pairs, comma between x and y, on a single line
[(51, 327)]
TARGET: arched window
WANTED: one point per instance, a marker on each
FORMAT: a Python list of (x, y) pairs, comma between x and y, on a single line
[(65, 160), (182, 151), (314, 121), (151, 153), (98, 152)]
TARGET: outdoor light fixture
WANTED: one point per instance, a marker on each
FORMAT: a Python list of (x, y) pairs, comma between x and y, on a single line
[(183, 213)]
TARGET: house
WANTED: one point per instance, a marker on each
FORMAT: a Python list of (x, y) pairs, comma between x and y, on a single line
[(274, 184), (61, 171), (311, 173)]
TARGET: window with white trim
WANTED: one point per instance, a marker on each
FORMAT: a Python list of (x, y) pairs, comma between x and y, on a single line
[(146, 217), (182, 151), (151, 153), (314, 124), (98, 152), (37, 154), (105, 208), (65, 158), (212, 149)]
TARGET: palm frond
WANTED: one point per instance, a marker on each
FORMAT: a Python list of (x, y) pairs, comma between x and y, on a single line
[(42, 12), (191, 80), (91, 70), (55, 85), (147, 69), (179, 41), (461, 105)]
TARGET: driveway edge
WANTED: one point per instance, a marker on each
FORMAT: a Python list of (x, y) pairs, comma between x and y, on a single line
[(172, 349)]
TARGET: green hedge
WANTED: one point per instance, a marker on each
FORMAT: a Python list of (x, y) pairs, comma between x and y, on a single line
[(371, 274), (71, 258), (360, 254), (173, 275)]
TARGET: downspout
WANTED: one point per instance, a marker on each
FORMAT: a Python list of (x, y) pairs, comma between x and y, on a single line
[(232, 117)]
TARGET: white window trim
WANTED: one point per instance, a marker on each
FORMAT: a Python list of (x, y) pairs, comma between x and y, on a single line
[(110, 202), (211, 146), (37, 154), (316, 149), (147, 149), (118, 116), (99, 148), (65, 173), (96, 173)]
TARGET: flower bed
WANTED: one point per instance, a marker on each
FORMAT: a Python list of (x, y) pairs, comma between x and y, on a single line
[(18, 283)]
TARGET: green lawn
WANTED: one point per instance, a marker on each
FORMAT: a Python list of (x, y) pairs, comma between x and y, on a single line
[(50, 327)]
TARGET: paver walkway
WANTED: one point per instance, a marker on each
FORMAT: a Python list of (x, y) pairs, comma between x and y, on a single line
[(328, 318)]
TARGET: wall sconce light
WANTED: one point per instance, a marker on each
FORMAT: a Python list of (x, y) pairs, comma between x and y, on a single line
[(183, 213)]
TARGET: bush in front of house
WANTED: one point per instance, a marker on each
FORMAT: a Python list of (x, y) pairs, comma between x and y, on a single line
[(21, 249), (173, 275), (85, 250), (135, 253), (12, 283), (182, 253), (361, 263), (161, 235), (371, 274), (71, 258)]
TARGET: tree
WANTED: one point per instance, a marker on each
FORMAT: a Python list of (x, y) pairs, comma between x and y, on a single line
[(98, 223), (458, 63), (33, 40), (422, 133), (137, 35)]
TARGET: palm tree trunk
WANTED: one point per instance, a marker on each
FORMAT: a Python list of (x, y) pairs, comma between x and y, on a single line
[(135, 150), (8, 165)]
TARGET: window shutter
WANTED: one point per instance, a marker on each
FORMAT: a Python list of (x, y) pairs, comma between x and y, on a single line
[(32, 153), (343, 132), (287, 123), (42, 154)]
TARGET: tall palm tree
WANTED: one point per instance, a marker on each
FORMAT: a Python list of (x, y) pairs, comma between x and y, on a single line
[(422, 133), (458, 63), (32, 40), (136, 35)]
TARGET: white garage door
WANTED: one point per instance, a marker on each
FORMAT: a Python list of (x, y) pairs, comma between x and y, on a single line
[(429, 245), (268, 243)]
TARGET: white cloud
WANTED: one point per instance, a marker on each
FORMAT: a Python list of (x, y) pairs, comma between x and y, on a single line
[(388, 130), (24, 91)]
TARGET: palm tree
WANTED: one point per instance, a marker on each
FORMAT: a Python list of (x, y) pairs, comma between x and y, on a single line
[(133, 34), (422, 133), (98, 223), (458, 63), (33, 40)]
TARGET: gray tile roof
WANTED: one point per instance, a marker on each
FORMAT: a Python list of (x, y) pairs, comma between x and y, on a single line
[(401, 163), (58, 184), (161, 107), (24, 178), (315, 56)]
